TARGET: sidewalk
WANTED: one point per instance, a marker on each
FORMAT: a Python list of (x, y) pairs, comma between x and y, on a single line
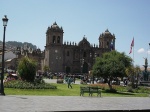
[(17, 103), (12, 103), (55, 80)]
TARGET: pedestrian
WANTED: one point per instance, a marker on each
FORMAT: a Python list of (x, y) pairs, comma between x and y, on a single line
[(69, 82)]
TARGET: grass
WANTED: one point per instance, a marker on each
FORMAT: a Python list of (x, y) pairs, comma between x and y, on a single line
[(63, 90)]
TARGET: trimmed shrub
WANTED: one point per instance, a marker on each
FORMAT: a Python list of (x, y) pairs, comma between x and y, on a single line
[(111, 91)]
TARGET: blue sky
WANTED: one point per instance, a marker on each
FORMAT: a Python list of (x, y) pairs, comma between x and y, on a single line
[(29, 19)]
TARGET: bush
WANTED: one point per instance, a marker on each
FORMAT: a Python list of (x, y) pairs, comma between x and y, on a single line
[(27, 69), (110, 90), (19, 84), (38, 80)]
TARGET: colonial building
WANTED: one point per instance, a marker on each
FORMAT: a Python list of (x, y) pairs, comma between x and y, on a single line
[(70, 57), (35, 54), (9, 59)]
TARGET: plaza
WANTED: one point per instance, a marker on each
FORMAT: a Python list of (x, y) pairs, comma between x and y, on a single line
[(25, 103), (17, 103)]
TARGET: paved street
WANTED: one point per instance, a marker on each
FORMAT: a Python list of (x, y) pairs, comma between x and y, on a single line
[(17, 103)]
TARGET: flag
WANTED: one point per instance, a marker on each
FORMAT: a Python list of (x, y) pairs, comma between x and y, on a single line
[(130, 50), (132, 45)]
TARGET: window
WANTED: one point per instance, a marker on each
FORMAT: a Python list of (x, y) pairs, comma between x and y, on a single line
[(54, 39), (84, 54), (58, 39)]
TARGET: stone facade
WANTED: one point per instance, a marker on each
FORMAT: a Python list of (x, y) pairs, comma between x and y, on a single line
[(72, 57), (35, 54)]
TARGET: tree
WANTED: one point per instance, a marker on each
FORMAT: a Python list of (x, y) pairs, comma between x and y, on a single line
[(27, 69), (46, 68), (137, 72), (133, 72), (111, 65), (130, 73)]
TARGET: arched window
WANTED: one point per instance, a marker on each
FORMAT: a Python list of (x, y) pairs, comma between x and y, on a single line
[(84, 54), (54, 39), (58, 39)]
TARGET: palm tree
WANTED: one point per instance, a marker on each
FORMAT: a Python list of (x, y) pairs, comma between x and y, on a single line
[(130, 73), (133, 72), (137, 71)]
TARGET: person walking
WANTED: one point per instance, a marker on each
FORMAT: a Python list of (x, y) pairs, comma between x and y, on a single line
[(69, 82)]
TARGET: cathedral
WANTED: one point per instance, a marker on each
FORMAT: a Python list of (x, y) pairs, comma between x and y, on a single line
[(73, 57)]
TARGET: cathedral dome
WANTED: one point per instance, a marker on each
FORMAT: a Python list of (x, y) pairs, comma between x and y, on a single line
[(55, 26), (84, 42), (106, 32)]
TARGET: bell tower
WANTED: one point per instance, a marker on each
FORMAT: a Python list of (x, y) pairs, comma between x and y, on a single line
[(107, 40), (54, 35)]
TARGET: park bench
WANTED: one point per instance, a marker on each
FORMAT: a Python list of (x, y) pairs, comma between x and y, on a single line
[(90, 90)]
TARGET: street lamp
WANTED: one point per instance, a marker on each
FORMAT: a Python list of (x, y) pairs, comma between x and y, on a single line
[(95, 55), (57, 59), (82, 62), (5, 20)]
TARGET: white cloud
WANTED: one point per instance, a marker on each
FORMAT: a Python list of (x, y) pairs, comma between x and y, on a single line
[(141, 50)]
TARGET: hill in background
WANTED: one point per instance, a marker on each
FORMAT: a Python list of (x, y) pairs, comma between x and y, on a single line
[(14, 44)]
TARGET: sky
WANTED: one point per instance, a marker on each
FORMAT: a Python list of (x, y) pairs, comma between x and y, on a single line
[(127, 19)]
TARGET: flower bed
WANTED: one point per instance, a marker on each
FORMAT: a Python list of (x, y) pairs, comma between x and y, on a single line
[(19, 84)]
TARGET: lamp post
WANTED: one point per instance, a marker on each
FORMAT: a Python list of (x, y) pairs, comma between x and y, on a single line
[(95, 55), (57, 59), (5, 20), (82, 62), (149, 48)]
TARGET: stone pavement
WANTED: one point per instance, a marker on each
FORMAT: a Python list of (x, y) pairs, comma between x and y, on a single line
[(55, 80), (16, 103)]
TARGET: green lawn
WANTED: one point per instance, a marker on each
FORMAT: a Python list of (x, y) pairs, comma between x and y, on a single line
[(63, 90)]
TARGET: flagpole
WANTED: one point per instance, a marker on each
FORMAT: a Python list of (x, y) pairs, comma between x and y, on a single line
[(133, 62), (133, 52)]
